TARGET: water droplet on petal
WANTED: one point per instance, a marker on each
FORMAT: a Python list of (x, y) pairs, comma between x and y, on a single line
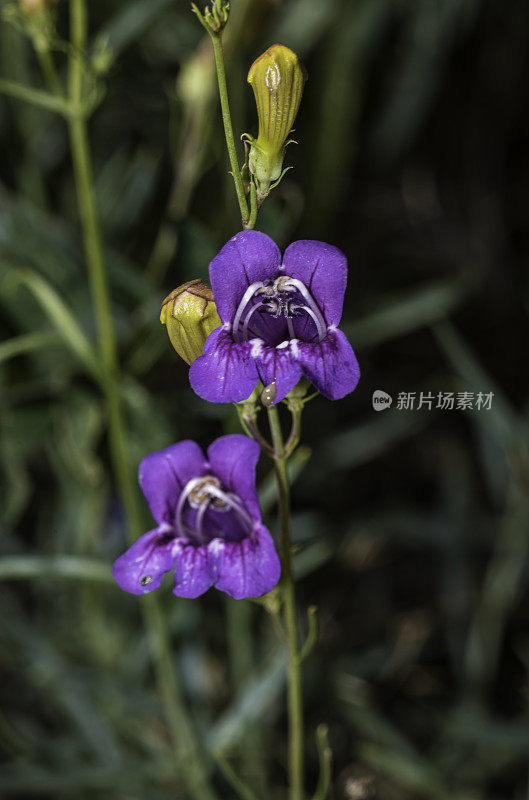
[(269, 394)]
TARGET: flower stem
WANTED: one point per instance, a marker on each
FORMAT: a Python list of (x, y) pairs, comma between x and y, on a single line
[(228, 129), (47, 67), (180, 728), (295, 697), (36, 97), (254, 207)]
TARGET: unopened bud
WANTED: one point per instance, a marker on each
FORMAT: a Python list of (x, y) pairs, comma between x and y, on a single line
[(277, 78), (190, 315), (215, 15)]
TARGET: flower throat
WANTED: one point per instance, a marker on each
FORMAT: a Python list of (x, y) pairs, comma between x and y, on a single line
[(283, 299)]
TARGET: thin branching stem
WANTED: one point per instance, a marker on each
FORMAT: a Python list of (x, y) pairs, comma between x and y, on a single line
[(237, 784), (295, 695), (182, 734), (228, 128)]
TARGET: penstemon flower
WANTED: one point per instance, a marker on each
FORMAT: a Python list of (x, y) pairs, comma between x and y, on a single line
[(280, 321), (209, 527)]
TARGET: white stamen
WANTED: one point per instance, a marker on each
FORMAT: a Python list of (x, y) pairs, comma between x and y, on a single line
[(248, 318), (188, 488), (200, 521), (208, 496), (247, 296), (317, 319), (304, 292), (234, 503), (279, 306)]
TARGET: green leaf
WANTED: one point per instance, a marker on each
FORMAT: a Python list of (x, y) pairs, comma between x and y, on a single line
[(59, 315), (402, 314), (255, 697), (27, 343), (501, 420), (13, 568)]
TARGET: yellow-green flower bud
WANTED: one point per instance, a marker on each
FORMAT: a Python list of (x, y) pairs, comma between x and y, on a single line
[(190, 314), (277, 78)]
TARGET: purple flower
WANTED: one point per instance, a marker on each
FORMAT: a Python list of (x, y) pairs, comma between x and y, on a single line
[(279, 320), (209, 527)]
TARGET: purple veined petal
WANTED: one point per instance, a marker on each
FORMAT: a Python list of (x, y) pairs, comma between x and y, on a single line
[(225, 372), (278, 365), (323, 269), (330, 365), (248, 257), (141, 568), (249, 568), (163, 475), (233, 459), (192, 575)]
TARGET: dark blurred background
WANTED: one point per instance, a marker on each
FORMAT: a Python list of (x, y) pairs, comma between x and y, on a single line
[(413, 525)]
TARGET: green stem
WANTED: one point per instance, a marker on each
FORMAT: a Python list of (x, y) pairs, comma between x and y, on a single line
[(181, 731), (295, 432), (228, 129), (254, 207), (48, 70), (249, 424), (189, 757), (295, 696), (325, 757), (36, 97), (237, 784)]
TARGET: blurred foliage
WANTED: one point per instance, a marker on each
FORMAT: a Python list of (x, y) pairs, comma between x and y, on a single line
[(413, 528)]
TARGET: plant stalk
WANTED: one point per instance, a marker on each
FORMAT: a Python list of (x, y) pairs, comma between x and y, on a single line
[(228, 129), (182, 735), (295, 692)]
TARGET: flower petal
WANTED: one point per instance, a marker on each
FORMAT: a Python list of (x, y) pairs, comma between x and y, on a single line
[(248, 257), (330, 365), (249, 568), (225, 373), (323, 269), (192, 576), (278, 365), (150, 557), (163, 475), (233, 459)]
